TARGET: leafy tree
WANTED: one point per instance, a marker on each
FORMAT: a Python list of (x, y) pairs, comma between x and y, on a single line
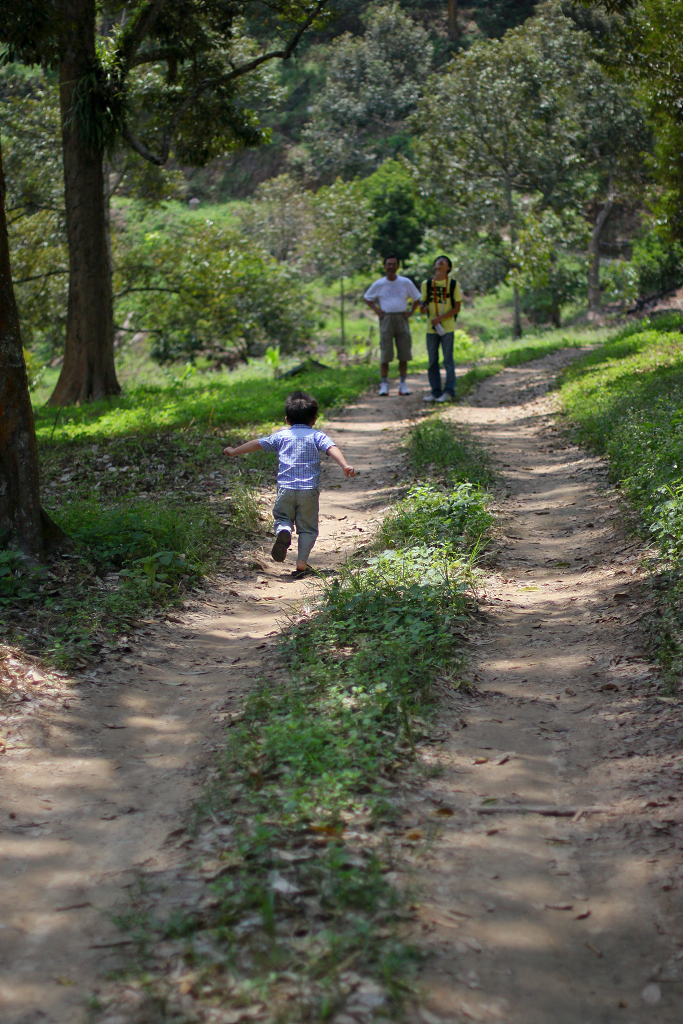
[(29, 113), (23, 524), (167, 77), (538, 121), (201, 290), (373, 83), (612, 144), (644, 43), (279, 217), (544, 265), (340, 243), (652, 52), (513, 132), (400, 214)]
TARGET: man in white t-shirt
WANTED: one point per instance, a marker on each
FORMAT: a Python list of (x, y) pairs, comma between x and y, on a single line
[(391, 297)]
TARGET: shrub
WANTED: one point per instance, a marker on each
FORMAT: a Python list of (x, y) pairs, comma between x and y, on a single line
[(658, 264)]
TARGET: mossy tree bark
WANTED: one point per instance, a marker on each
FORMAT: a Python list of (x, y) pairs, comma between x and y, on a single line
[(88, 370), (20, 516)]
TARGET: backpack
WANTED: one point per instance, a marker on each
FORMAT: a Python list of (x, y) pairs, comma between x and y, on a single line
[(430, 282)]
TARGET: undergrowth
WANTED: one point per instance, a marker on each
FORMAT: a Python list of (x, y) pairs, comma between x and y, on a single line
[(626, 401), (440, 448), (124, 560), (300, 822)]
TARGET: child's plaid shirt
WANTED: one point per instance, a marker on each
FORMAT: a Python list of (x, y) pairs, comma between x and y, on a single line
[(298, 449)]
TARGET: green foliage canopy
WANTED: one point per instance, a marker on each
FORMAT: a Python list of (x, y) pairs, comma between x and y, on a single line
[(373, 83), (205, 290)]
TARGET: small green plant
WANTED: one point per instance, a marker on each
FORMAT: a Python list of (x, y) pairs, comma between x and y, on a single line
[(272, 358), (442, 448), (20, 578), (306, 778), (455, 519)]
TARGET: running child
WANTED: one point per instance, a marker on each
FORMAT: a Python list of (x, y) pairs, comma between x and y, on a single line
[(298, 447)]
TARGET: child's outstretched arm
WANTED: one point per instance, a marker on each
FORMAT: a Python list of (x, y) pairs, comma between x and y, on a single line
[(335, 453), (242, 449)]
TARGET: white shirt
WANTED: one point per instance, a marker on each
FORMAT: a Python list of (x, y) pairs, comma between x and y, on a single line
[(392, 295)]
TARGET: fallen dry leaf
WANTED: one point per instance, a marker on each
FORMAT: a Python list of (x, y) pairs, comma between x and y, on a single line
[(480, 760), (444, 812), (282, 885), (327, 830), (504, 758), (651, 994)]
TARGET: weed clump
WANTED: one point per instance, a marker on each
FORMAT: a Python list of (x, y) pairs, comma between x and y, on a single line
[(625, 402), (306, 790), (443, 449)]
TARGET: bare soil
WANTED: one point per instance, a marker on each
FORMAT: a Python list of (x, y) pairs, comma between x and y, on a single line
[(546, 854), (553, 892)]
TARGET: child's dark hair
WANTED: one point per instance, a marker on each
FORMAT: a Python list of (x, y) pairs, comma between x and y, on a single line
[(448, 261), (301, 408)]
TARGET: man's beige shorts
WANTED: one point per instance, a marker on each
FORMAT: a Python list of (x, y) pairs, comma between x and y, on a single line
[(394, 325)]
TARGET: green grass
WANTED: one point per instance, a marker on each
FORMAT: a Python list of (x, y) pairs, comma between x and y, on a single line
[(159, 445), (202, 401), (307, 782), (125, 560), (625, 401), (443, 449)]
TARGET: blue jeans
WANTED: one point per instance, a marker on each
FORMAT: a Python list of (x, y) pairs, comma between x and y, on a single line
[(433, 341)]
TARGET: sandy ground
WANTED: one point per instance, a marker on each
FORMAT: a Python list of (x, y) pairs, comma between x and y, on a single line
[(553, 893), (547, 853), (100, 770)]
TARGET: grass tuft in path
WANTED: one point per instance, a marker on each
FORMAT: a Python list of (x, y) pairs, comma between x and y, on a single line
[(301, 824)]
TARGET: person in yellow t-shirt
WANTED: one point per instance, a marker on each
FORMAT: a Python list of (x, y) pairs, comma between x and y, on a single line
[(440, 300)]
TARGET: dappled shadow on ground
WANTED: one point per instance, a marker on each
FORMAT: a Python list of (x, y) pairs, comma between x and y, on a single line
[(102, 769), (554, 890)]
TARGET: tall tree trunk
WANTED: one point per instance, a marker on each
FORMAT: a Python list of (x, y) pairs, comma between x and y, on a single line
[(517, 313), (88, 370), (343, 326), (453, 20), (20, 520), (594, 295)]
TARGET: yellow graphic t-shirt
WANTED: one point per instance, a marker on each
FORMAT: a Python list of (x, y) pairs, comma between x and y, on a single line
[(443, 289)]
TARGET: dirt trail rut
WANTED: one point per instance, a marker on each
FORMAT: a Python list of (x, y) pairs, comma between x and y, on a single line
[(553, 895), (99, 773), (530, 918)]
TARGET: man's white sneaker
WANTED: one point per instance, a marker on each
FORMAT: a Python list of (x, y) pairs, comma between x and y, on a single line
[(429, 398), (383, 389), (403, 388), (445, 397)]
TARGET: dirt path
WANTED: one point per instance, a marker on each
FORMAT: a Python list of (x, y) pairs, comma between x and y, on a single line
[(99, 770), (107, 769), (569, 913)]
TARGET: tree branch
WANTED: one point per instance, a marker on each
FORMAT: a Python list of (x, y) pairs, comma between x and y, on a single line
[(136, 32), (40, 277), (142, 149), (283, 54), (150, 288)]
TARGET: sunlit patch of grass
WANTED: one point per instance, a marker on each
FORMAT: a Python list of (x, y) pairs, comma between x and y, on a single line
[(443, 449), (625, 402)]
